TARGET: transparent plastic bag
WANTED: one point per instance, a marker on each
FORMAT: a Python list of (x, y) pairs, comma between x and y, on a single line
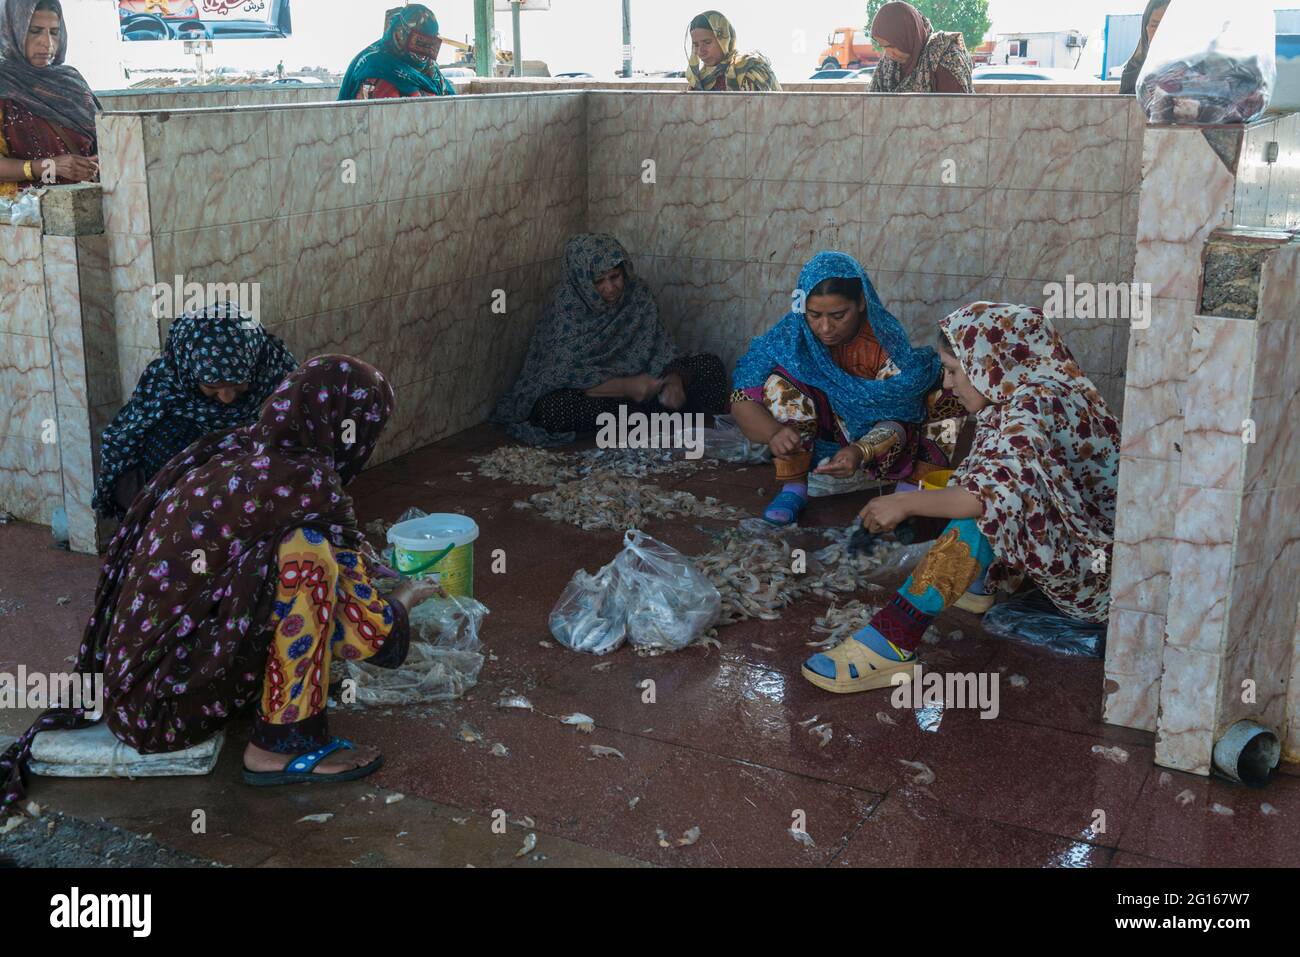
[(1210, 63), (1033, 619), (670, 602), (650, 594), (23, 209), (443, 662), (724, 442), (591, 614)]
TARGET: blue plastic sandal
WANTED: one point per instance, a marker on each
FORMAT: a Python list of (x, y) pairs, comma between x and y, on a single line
[(787, 503), (301, 770)]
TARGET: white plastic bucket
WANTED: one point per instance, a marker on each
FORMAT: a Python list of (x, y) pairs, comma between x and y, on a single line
[(439, 547)]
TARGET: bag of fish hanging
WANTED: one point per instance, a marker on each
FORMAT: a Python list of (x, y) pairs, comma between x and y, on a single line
[(670, 602), (1210, 63), (591, 614)]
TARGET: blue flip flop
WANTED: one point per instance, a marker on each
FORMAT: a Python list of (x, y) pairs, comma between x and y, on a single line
[(786, 501), (301, 770)]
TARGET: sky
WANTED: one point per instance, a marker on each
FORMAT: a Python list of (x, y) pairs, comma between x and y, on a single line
[(575, 35)]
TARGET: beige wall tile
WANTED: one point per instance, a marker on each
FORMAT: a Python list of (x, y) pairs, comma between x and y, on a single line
[(792, 222), (1058, 143), (697, 218), (925, 229), (22, 284), (320, 158), (1050, 234), (821, 142), (927, 141), (206, 169), (702, 137)]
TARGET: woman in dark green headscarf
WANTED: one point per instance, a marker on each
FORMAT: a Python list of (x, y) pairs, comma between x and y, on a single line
[(403, 63), (1155, 12)]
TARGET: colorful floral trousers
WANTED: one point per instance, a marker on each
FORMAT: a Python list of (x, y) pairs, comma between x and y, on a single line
[(325, 607)]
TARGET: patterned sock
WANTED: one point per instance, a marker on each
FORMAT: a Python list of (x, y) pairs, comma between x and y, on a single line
[(902, 623), (798, 488)]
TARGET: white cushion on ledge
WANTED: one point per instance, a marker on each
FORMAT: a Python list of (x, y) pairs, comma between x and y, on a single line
[(94, 753)]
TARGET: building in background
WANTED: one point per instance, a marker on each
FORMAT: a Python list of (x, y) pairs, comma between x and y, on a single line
[(1061, 49)]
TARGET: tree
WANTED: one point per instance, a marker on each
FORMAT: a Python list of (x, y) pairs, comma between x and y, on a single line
[(970, 18)]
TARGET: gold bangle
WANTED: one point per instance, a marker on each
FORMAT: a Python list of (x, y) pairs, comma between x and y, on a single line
[(27, 172)]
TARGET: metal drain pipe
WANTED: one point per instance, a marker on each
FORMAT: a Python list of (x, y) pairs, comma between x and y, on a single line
[(1247, 753)]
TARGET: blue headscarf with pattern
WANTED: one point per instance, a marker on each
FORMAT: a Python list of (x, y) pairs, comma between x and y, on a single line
[(861, 403), (204, 346)]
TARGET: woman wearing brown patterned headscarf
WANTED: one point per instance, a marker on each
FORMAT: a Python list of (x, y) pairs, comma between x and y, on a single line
[(916, 58)]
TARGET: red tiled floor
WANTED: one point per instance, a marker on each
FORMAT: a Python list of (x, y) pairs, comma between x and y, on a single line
[(912, 830), (1193, 833), (744, 812), (1033, 777), (724, 745)]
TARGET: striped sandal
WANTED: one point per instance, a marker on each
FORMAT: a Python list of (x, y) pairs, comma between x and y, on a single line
[(858, 668)]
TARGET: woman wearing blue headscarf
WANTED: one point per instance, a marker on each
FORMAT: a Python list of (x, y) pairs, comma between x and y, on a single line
[(404, 62), (837, 378)]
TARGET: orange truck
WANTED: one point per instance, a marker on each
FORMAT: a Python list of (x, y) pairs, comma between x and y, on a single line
[(851, 49)]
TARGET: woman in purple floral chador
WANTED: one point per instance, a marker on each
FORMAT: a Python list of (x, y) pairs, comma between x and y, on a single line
[(234, 578)]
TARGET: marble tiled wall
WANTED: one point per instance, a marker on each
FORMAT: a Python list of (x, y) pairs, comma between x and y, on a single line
[(1179, 209), (396, 231), (945, 200), (1206, 570), (188, 98), (1268, 193), (30, 483)]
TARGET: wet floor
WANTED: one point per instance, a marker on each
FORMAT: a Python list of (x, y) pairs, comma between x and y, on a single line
[(725, 747)]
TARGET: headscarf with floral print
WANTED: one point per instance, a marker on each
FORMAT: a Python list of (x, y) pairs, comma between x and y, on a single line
[(188, 584), (1045, 461)]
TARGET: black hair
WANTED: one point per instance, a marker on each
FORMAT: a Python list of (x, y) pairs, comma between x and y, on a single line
[(850, 289), (48, 6), (941, 338)]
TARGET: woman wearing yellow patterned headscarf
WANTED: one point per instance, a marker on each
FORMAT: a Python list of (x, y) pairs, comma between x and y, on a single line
[(714, 63)]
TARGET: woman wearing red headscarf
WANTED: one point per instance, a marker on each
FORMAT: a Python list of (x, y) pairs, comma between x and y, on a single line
[(916, 58)]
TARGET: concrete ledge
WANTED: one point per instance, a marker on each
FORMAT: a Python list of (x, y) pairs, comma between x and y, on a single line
[(75, 210)]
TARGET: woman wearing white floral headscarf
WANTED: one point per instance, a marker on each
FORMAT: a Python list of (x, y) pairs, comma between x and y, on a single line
[(1034, 497)]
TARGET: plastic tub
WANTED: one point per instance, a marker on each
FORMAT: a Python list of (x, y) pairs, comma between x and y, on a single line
[(936, 480), (438, 547)]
